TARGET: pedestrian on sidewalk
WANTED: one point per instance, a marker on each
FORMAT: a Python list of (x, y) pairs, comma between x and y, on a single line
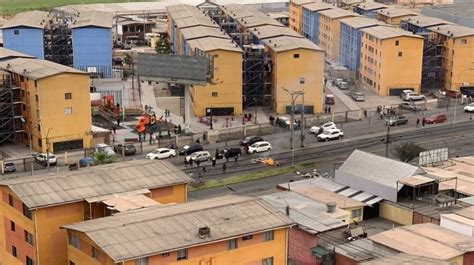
[(197, 163), (329, 109), (214, 162), (179, 128), (185, 162), (114, 129), (365, 113), (153, 137), (204, 169), (224, 167), (118, 122), (423, 122), (236, 159), (199, 177), (190, 162), (217, 152), (417, 122), (169, 134), (325, 109)]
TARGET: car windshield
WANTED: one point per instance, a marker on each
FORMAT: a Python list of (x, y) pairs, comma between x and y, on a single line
[(254, 145), (186, 147), (471, 105), (52, 156), (326, 132), (194, 154), (8, 164)]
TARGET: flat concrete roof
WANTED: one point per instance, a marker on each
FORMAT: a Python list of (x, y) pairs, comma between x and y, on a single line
[(368, 6), (395, 12), (425, 21), (453, 30), (325, 196), (459, 10), (384, 32), (212, 44), (337, 13), (318, 6), (361, 22)]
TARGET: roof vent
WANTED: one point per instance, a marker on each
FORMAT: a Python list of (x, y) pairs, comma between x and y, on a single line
[(25, 71), (8, 66), (269, 41), (331, 207), (204, 232), (451, 35), (274, 45)]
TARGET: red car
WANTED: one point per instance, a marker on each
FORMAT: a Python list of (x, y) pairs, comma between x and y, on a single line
[(436, 118)]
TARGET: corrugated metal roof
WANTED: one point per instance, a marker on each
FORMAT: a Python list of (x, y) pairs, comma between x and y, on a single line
[(6, 54), (92, 19), (325, 196), (270, 31), (424, 21), (70, 186), (165, 228), (396, 12), (211, 44), (361, 22), (467, 213), (36, 68), (416, 180), (130, 202), (405, 259), (33, 19), (362, 249), (337, 13), (371, 6), (284, 43), (201, 31), (453, 31), (318, 6), (310, 215)]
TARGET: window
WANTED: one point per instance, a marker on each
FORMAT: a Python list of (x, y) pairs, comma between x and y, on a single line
[(36, 98), (68, 110), (296, 55), (36, 83), (166, 254), (182, 254), (267, 261), (397, 43), (10, 200), (73, 241), (232, 244), (267, 236), (94, 253), (68, 96), (463, 41), (247, 237), (12, 226), (400, 54), (28, 238), (356, 213), (301, 80), (26, 211), (142, 261), (215, 94), (72, 263), (29, 261), (40, 143), (16, 32)]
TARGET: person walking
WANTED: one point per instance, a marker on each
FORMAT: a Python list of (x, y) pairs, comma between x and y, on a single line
[(236, 159), (200, 177), (118, 122), (197, 163), (185, 162), (417, 122), (365, 113), (214, 162), (190, 162), (217, 153), (329, 109), (153, 137), (423, 122), (224, 167), (114, 129)]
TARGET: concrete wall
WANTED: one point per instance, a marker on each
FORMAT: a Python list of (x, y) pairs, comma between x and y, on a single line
[(28, 41), (457, 226), (300, 244), (295, 22), (459, 58), (92, 47), (396, 213)]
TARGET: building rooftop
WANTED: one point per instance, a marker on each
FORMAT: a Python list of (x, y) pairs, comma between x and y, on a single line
[(453, 31), (426, 240), (91, 183), (362, 250), (318, 6), (36, 68), (202, 31), (325, 196), (7, 54), (271, 31), (392, 12), (260, 20), (183, 11), (32, 19), (467, 213), (368, 6), (276, 15), (361, 22), (238, 11), (425, 21), (461, 10), (284, 43), (405, 259), (211, 44), (166, 228), (416, 180), (93, 19), (195, 21), (310, 215), (129, 202), (337, 13), (385, 32), (468, 200), (302, 2)]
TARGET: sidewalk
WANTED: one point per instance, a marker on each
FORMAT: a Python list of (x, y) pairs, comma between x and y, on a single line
[(351, 104)]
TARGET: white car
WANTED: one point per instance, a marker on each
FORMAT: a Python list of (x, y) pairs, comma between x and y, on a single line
[(469, 108), (43, 159), (200, 156), (161, 153), (330, 135), (326, 126), (260, 147), (104, 148), (413, 97)]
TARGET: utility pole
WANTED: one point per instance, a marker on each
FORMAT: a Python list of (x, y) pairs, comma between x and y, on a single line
[(387, 140), (303, 123), (294, 95), (255, 102), (30, 135)]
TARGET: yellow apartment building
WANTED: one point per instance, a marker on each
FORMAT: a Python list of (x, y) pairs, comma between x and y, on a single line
[(458, 54), (224, 94), (223, 230), (329, 30), (296, 14), (297, 64), (393, 16), (348, 4), (34, 207), (390, 60), (55, 104)]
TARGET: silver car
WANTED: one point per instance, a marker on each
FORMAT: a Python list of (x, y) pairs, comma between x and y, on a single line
[(200, 156), (357, 96)]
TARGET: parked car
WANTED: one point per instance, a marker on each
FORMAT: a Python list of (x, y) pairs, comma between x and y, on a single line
[(129, 149), (469, 108), (343, 85), (9, 167), (161, 153), (200, 156), (189, 149), (260, 147), (409, 106), (413, 97), (397, 120), (436, 118), (86, 161), (285, 123), (357, 96), (406, 92), (338, 81), (229, 152), (329, 99), (249, 140), (325, 126), (104, 148), (350, 81), (43, 159), (330, 135)]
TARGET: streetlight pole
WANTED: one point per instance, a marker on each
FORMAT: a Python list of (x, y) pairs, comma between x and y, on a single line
[(293, 96), (303, 123), (255, 102), (31, 146), (47, 149)]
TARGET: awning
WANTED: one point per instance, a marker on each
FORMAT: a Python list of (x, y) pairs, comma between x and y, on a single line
[(109, 196)]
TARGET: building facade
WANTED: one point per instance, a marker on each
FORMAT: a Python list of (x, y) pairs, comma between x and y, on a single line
[(393, 16), (329, 30), (367, 9), (296, 13), (310, 17)]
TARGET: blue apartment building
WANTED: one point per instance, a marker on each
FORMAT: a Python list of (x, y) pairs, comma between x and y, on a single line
[(368, 9), (310, 20)]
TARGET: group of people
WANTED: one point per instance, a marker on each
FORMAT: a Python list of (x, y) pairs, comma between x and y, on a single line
[(327, 109), (423, 122)]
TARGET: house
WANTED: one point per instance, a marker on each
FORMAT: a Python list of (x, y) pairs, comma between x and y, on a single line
[(461, 221)]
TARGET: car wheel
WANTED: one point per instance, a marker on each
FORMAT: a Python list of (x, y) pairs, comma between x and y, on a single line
[(156, 158)]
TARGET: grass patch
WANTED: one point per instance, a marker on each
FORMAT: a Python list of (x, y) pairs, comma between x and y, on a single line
[(269, 172)]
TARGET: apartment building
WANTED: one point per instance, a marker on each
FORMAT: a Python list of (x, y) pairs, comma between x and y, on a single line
[(367, 9), (390, 60), (329, 30), (310, 17), (50, 104), (393, 16), (34, 207), (220, 230), (296, 13)]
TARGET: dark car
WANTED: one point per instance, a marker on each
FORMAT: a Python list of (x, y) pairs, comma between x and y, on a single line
[(436, 118), (86, 161), (397, 120), (249, 140), (229, 152), (189, 149), (9, 167), (410, 107), (129, 149)]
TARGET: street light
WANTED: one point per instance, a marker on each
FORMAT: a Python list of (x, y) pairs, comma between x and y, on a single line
[(294, 95), (47, 149), (31, 146), (255, 102)]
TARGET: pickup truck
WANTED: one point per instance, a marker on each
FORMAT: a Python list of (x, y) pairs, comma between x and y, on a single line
[(413, 97)]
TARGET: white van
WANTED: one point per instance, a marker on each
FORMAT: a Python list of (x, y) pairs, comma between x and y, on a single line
[(103, 148)]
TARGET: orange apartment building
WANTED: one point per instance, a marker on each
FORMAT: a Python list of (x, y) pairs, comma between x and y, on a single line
[(34, 207), (390, 60), (393, 16), (296, 14), (329, 30), (221, 230)]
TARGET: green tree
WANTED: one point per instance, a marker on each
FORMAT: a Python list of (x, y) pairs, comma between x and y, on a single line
[(408, 151), (101, 158), (163, 46)]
